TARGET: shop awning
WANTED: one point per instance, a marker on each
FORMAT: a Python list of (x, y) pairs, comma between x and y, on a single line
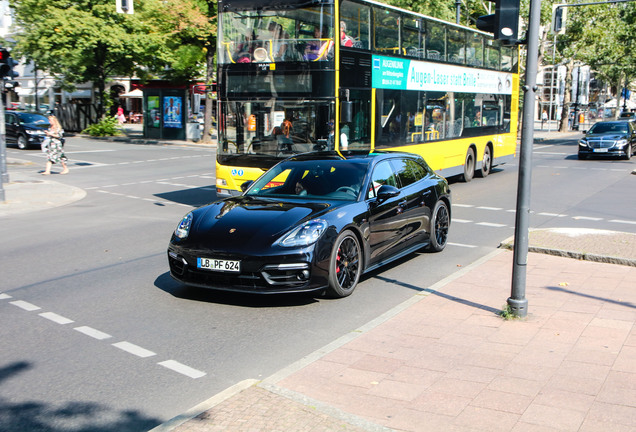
[(133, 94)]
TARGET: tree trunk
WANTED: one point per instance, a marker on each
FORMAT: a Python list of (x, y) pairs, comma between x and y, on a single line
[(207, 122), (565, 110)]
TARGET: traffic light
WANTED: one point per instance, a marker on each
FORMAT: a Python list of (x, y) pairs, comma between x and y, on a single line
[(504, 23), (7, 64), (558, 19)]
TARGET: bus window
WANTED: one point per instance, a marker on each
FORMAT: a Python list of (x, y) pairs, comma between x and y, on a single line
[(435, 41), (492, 55), (509, 59), (411, 44), (356, 17), (387, 31), (455, 45), (475, 50)]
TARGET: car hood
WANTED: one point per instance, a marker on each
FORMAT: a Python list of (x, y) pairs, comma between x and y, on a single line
[(237, 222)]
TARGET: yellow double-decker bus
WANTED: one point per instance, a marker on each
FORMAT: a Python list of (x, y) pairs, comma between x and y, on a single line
[(359, 76)]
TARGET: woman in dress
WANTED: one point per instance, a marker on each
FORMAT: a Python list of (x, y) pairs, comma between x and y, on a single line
[(55, 150)]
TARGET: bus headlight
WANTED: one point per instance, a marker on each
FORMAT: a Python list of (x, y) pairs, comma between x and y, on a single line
[(221, 182)]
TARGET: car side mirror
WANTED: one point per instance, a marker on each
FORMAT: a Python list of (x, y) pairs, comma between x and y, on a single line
[(584, 132), (386, 191), (245, 186)]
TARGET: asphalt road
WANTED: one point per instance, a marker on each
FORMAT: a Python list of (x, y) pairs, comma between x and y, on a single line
[(116, 345)]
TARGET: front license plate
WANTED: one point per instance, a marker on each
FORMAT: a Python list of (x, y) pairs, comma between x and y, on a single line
[(219, 265), (601, 150)]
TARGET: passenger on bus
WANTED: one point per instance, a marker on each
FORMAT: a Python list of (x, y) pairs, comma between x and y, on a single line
[(246, 48), (277, 37), (344, 39), (318, 48)]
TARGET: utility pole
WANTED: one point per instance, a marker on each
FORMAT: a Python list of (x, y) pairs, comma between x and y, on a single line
[(4, 175), (517, 301), (458, 5)]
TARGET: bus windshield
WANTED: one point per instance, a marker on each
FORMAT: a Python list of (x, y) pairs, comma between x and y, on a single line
[(275, 127), (269, 36)]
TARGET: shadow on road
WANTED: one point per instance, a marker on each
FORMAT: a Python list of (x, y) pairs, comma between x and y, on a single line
[(194, 197), (67, 417), (165, 283)]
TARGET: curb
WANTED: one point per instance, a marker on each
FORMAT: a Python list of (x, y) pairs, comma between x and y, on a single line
[(204, 406), (509, 244), (269, 383)]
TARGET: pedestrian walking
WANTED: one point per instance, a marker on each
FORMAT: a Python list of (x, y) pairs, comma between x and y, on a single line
[(55, 149), (544, 118)]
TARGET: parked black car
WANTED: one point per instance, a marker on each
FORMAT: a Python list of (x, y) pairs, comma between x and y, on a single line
[(629, 116), (609, 138), (25, 129), (314, 222)]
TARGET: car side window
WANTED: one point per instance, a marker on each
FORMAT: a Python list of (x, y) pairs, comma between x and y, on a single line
[(408, 171), (382, 175)]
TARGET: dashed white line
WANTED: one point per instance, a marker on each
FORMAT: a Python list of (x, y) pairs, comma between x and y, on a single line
[(134, 349), (182, 369), (89, 331), (461, 245), (623, 221), (56, 318), (4, 296), (490, 224), (596, 219), (462, 221), (551, 214), (490, 208), (25, 305), (463, 205)]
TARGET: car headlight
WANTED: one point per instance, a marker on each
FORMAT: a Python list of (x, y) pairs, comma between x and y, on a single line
[(304, 235), (583, 143), (183, 229), (621, 143), (34, 132)]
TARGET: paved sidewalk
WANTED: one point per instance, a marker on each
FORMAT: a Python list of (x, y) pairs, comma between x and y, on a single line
[(446, 361)]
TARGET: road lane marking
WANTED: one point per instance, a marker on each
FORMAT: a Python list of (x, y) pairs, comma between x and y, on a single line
[(25, 305), (551, 214), (623, 221), (461, 245), (4, 296), (182, 369), (134, 349), (56, 318), (89, 331), (462, 221), (490, 224), (463, 205), (490, 208), (596, 219)]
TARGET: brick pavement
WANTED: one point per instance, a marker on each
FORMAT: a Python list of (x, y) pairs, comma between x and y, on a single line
[(446, 361)]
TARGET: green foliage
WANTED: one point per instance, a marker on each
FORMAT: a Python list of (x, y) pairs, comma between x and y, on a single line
[(507, 313), (107, 126)]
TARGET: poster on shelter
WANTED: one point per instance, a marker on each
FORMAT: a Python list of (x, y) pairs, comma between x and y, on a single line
[(154, 112), (172, 106)]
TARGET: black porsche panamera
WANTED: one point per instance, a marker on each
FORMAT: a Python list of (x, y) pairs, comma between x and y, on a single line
[(314, 222)]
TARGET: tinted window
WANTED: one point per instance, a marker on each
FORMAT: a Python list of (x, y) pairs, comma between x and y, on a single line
[(382, 175), (33, 118), (609, 127), (408, 171)]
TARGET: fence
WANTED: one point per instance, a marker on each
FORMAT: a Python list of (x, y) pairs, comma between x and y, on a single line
[(76, 117)]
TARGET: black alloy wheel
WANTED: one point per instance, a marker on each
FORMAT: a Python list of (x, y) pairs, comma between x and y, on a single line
[(628, 152), (469, 165), (440, 224), (345, 265), (486, 163), (22, 142)]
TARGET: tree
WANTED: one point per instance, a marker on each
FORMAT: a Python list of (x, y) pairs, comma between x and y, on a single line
[(89, 41)]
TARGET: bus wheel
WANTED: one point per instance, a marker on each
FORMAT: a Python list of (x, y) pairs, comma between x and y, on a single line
[(486, 163), (469, 165)]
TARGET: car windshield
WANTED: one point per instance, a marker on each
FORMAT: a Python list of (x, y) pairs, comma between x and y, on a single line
[(609, 127), (332, 179), (33, 119)]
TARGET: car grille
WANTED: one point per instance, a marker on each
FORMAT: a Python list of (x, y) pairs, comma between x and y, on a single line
[(271, 278), (596, 143)]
